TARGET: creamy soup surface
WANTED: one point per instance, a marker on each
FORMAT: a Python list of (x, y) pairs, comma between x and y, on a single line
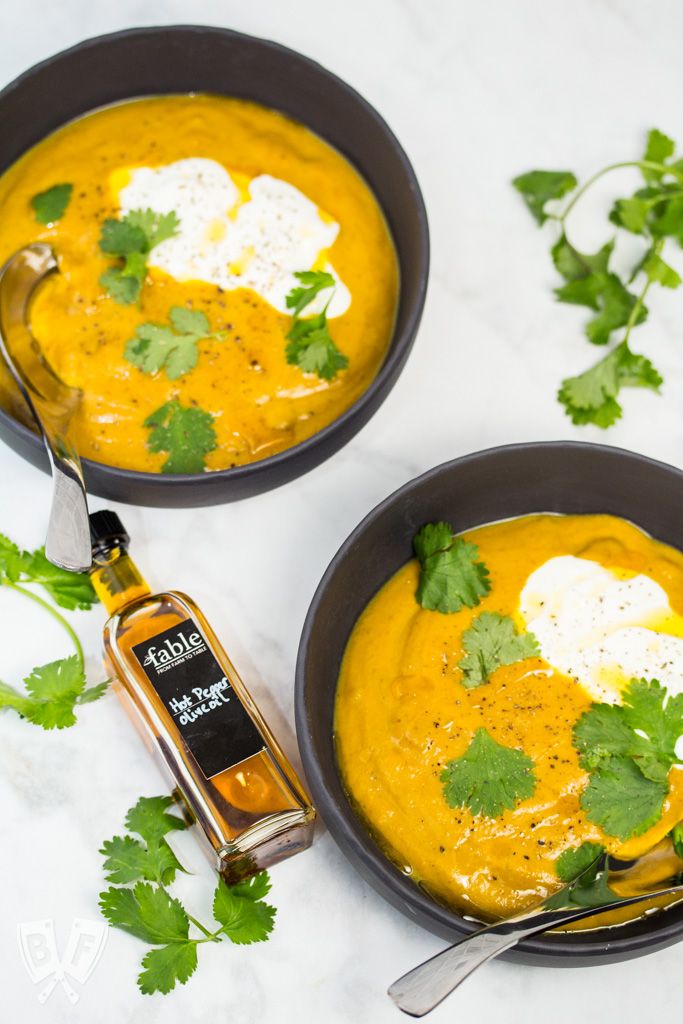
[(258, 197), (402, 712)]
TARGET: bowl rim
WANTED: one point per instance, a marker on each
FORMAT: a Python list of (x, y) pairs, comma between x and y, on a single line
[(399, 345), (347, 828)]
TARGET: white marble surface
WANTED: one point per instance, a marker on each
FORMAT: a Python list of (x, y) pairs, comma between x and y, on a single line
[(477, 93)]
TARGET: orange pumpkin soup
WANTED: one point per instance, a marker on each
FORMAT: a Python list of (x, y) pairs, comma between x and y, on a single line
[(403, 713), (256, 198)]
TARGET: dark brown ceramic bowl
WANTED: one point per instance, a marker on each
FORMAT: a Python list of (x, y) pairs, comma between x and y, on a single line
[(182, 59), (495, 484)]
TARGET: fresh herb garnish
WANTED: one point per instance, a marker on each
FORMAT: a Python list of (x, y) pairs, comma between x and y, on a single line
[(311, 346), (175, 348), (629, 750), (488, 777), (450, 575), (148, 911), (584, 865), (490, 642), (186, 432), (50, 206), (52, 690), (655, 213), (677, 839), (131, 239)]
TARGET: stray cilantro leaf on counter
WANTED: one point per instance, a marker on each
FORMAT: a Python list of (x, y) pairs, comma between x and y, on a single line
[(175, 348), (68, 589), (653, 212), (52, 690), (149, 912), (592, 396), (629, 750), (450, 575), (490, 642), (131, 239), (539, 187), (50, 206), (489, 777), (186, 432), (311, 346)]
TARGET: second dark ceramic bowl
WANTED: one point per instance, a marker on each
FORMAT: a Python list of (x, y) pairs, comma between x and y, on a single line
[(481, 488), (194, 58)]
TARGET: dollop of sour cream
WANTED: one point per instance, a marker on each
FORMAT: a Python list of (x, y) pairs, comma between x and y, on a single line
[(255, 236), (602, 626)]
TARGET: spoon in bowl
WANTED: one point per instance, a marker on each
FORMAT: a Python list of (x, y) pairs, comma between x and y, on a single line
[(51, 402), (423, 988)]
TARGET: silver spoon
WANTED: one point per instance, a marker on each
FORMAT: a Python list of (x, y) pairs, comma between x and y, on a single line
[(423, 988), (51, 402)]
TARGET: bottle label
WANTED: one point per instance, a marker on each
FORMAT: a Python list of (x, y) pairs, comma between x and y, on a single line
[(197, 695)]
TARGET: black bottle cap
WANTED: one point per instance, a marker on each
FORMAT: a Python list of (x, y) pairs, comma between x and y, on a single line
[(107, 531)]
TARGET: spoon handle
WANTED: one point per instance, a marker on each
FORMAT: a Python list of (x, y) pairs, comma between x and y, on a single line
[(68, 542), (423, 988)]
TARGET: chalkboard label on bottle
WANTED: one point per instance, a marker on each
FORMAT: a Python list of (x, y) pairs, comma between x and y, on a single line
[(199, 698)]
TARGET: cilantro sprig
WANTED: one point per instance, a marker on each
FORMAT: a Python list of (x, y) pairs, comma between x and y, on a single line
[(588, 869), (491, 642), (629, 750), (50, 206), (311, 346), (131, 240), (141, 866), (488, 777), (52, 691), (655, 214), (450, 575), (173, 347), (186, 433)]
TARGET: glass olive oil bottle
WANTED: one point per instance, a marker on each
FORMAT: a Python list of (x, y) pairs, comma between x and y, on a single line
[(196, 716)]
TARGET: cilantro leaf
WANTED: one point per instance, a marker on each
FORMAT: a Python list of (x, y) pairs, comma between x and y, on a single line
[(490, 642), (244, 918), (660, 272), (588, 870), (646, 727), (488, 777), (538, 187), (573, 862), (658, 150), (574, 265), (50, 206), (677, 839), (604, 293), (131, 239), (155, 345), (313, 282), (68, 589), (147, 912), (53, 691), (166, 965), (254, 888), (186, 432), (450, 575), (125, 859), (621, 800), (151, 820), (312, 348), (591, 397)]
